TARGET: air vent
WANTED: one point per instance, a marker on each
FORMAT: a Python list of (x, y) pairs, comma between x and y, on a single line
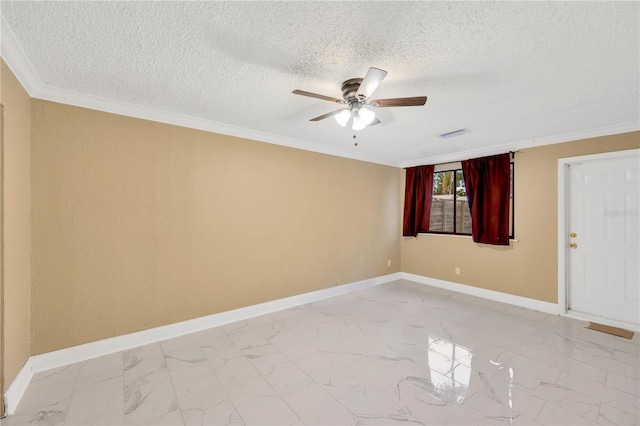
[(452, 134)]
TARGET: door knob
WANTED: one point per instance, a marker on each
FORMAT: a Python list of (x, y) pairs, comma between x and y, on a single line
[(573, 235), (573, 245)]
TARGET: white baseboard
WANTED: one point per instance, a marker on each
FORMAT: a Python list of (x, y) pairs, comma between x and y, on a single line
[(14, 394), (128, 341), (524, 302), (120, 343)]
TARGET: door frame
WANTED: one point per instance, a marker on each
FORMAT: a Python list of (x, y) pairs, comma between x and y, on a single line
[(2, 385), (563, 220)]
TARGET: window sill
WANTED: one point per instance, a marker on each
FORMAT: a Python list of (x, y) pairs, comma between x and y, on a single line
[(460, 236)]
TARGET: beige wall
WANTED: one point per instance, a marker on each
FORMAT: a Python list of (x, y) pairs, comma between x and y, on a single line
[(16, 226), (526, 268), (136, 224), (139, 224)]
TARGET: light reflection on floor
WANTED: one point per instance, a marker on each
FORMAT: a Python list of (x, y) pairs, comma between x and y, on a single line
[(399, 353)]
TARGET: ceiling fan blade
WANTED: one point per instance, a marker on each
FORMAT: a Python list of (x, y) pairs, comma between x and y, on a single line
[(371, 82), (327, 115), (315, 95), (374, 122), (397, 102)]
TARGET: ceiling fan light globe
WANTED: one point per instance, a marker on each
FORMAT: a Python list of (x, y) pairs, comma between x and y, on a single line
[(343, 117), (366, 115), (358, 124)]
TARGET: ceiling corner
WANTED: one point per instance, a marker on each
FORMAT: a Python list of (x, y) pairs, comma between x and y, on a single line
[(17, 61)]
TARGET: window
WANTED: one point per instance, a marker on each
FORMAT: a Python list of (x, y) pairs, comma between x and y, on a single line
[(450, 212), (449, 208)]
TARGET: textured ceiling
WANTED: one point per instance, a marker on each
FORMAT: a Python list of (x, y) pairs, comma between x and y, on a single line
[(506, 72)]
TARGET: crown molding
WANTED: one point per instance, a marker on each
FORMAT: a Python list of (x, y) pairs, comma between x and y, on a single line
[(19, 63), (22, 68), (69, 97), (630, 126), (16, 60)]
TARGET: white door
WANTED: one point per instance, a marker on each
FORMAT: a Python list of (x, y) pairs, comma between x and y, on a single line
[(603, 240)]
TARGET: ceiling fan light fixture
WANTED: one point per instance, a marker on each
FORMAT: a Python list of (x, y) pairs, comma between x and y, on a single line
[(358, 124), (366, 115), (356, 94), (343, 117)]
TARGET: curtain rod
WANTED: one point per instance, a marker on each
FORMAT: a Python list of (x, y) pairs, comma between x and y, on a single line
[(512, 153)]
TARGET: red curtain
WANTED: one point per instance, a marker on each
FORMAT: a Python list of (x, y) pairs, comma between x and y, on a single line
[(487, 181), (417, 200)]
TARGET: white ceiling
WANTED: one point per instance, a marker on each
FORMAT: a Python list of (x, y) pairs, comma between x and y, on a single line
[(512, 74)]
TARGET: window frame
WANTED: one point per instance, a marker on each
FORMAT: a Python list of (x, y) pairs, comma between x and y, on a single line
[(512, 195)]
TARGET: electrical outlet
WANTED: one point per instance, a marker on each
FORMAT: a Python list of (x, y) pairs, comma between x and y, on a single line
[(389, 263), (457, 271)]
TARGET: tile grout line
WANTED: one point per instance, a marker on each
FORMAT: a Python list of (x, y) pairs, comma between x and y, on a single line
[(73, 389), (224, 388), (266, 380), (540, 412), (540, 409), (173, 386), (557, 405), (336, 398), (296, 365)]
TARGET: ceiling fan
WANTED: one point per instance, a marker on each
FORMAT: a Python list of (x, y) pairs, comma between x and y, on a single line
[(356, 93)]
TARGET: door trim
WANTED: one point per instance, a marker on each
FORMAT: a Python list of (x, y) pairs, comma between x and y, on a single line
[(563, 199), (2, 361)]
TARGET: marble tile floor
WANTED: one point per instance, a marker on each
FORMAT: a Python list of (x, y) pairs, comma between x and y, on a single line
[(399, 353)]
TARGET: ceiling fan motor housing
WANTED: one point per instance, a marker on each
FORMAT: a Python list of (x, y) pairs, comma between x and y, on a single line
[(350, 88), (355, 94)]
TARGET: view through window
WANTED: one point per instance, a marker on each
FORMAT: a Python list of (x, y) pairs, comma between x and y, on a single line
[(450, 212)]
